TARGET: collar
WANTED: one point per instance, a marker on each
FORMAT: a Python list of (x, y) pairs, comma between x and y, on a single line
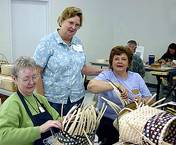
[(60, 41)]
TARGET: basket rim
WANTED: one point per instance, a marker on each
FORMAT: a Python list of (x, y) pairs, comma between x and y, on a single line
[(161, 137)]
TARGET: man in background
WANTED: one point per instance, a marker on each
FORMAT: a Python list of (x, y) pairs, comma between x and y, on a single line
[(137, 63)]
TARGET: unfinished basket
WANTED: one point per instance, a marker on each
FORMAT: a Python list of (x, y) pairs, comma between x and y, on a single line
[(149, 126), (79, 127)]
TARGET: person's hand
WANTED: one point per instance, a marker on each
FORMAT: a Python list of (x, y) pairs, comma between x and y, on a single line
[(49, 124), (138, 99), (122, 90), (161, 61)]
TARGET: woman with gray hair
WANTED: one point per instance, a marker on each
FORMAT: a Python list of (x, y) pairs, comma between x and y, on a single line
[(26, 117)]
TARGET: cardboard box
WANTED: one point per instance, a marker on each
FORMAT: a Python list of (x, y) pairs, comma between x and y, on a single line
[(6, 69), (6, 82)]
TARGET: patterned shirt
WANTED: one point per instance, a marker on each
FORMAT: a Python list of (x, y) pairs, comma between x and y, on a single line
[(62, 65), (137, 65), (134, 84)]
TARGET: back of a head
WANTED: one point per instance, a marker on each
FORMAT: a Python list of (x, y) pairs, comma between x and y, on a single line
[(132, 42)]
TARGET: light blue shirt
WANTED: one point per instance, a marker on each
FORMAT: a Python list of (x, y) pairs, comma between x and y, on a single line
[(62, 65), (133, 83)]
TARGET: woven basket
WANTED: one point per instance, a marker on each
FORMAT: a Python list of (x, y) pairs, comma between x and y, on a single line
[(140, 126), (3, 60), (78, 126), (63, 138)]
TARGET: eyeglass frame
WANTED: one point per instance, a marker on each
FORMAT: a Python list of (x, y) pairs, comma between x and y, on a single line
[(27, 80)]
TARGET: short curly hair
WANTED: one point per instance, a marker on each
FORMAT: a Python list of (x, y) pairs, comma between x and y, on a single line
[(118, 50), (22, 62), (70, 12)]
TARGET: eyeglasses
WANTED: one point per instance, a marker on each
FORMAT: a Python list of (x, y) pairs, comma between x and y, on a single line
[(77, 26), (27, 80)]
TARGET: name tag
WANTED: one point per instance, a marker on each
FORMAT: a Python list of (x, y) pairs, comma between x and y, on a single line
[(135, 91), (41, 109), (78, 48)]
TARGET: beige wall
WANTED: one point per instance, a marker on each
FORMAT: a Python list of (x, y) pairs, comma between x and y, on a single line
[(108, 23)]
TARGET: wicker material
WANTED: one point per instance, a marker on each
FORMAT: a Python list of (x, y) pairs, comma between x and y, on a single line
[(131, 124), (63, 138), (134, 126), (79, 127), (161, 128), (7, 83), (3, 60)]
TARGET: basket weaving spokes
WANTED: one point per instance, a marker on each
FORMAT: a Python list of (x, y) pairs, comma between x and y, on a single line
[(79, 127)]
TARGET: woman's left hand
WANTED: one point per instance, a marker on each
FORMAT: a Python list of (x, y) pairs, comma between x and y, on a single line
[(138, 99)]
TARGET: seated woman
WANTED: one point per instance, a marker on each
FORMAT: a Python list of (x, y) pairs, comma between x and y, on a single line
[(131, 84), (170, 55), (26, 117)]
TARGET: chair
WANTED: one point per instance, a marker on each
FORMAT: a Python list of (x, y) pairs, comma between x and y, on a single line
[(140, 51)]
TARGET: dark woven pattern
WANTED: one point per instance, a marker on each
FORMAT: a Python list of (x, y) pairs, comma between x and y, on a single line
[(155, 125), (66, 139)]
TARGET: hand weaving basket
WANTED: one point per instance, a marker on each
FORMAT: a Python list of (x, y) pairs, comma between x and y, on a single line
[(79, 127), (147, 125)]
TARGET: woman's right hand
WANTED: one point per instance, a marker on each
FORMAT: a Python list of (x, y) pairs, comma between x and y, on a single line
[(49, 124)]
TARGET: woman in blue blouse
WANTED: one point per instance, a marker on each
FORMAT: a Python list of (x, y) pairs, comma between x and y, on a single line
[(62, 63)]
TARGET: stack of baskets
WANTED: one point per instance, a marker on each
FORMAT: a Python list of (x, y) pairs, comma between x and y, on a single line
[(6, 81)]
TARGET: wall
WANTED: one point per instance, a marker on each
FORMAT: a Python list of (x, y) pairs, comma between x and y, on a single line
[(96, 32), (5, 29), (151, 23)]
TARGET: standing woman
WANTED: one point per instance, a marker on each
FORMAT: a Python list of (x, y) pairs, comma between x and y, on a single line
[(62, 63), (131, 84), (26, 117)]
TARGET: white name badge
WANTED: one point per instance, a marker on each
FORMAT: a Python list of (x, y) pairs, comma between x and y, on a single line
[(78, 48), (41, 109)]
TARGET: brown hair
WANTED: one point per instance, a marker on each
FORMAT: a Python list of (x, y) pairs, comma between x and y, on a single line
[(70, 12), (132, 42), (118, 50)]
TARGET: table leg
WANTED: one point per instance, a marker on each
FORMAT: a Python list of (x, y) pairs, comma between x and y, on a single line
[(174, 97), (158, 87)]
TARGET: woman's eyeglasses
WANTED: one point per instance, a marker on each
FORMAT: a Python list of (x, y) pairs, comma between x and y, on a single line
[(26, 80)]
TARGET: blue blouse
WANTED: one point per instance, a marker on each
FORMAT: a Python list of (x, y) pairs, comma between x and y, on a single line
[(62, 65)]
